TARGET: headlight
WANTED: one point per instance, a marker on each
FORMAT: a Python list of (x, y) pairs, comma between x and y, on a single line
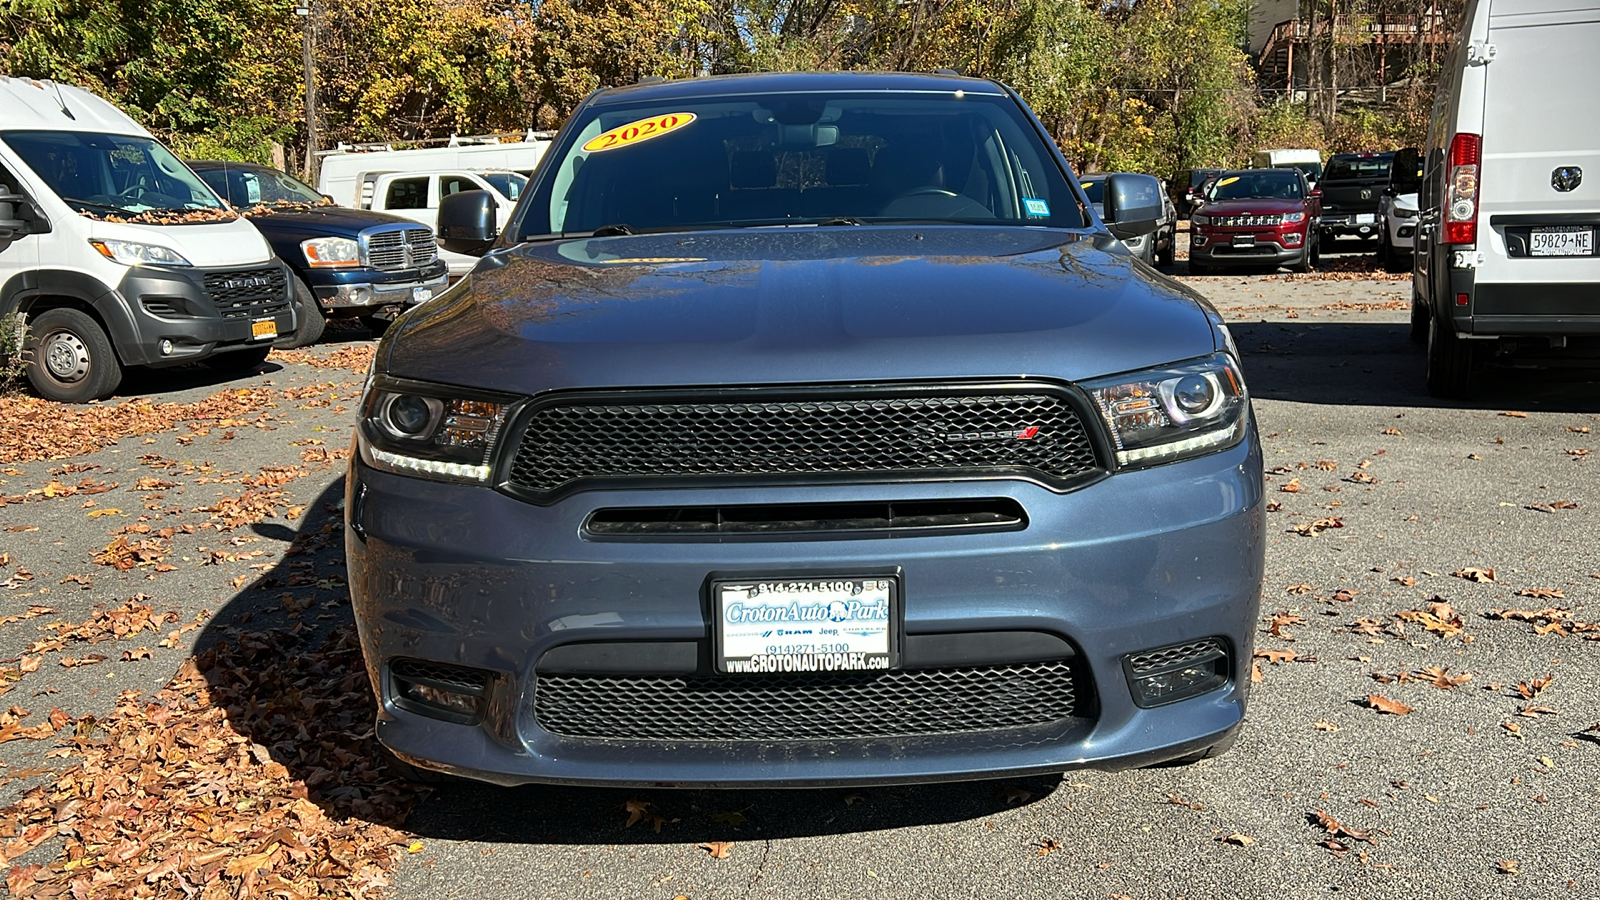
[(328, 252), (1291, 218), (132, 253), (1198, 219), (431, 431), (1405, 213), (1175, 412)]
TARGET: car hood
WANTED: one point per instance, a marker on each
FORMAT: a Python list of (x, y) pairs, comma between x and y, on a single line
[(323, 221), (1405, 201), (759, 306), (1252, 207)]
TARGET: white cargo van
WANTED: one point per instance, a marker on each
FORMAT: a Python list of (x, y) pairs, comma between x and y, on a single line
[(117, 254), (1307, 161), (1506, 267), (342, 168)]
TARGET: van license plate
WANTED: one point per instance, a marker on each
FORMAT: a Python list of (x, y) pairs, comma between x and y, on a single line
[(1562, 240), (263, 329), (804, 625)]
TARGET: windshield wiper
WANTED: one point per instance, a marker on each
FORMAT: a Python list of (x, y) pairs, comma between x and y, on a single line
[(108, 207), (841, 220), (619, 228)]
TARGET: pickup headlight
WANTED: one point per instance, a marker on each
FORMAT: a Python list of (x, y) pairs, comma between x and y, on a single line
[(1175, 412), (1198, 219), (431, 431), (331, 252), (133, 253)]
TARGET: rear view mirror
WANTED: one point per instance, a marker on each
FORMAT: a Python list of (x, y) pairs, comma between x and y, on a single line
[(1132, 204), (467, 222), (14, 214)]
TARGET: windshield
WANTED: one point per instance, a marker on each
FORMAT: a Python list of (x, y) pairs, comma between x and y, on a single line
[(802, 158), (102, 174), (1253, 184), (1313, 170), (249, 185), (1358, 167), (509, 184)]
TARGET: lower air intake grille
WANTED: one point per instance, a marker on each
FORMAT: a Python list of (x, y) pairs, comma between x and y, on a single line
[(567, 443), (814, 706), (1178, 654)]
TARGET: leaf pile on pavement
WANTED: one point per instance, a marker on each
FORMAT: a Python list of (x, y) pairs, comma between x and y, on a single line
[(38, 429), (255, 772), (355, 357)]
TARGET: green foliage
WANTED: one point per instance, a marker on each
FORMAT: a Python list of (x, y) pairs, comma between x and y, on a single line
[(13, 338)]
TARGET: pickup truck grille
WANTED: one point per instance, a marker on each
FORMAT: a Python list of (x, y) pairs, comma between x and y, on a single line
[(248, 293), (408, 248), (1032, 431)]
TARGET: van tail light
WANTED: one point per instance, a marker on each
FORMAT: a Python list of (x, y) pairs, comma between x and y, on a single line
[(1461, 190)]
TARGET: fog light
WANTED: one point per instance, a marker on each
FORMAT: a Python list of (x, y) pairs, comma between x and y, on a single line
[(439, 691), (1292, 240), (166, 348), (1169, 674)]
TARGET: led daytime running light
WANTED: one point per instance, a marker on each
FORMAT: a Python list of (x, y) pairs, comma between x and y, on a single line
[(1180, 447), (396, 462)]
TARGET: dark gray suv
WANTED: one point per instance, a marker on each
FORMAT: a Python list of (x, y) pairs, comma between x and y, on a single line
[(805, 429)]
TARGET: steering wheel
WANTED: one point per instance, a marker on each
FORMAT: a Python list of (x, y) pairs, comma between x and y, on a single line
[(928, 190), (133, 192)]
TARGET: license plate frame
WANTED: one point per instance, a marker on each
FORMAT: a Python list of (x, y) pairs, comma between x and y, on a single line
[(264, 329), (1583, 246), (825, 638)]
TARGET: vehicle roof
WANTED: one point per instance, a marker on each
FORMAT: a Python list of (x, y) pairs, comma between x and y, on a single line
[(784, 82), (34, 104), (1373, 154)]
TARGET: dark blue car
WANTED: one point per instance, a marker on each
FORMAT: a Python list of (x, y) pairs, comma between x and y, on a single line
[(806, 429), (352, 262)]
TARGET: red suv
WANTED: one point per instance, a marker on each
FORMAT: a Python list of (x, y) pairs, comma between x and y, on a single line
[(1256, 217)]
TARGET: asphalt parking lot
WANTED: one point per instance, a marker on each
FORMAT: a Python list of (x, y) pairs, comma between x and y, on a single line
[(1424, 721)]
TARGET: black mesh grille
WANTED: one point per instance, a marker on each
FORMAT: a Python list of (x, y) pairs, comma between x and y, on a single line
[(467, 681), (821, 706), (1176, 655), (570, 442), (252, 292)]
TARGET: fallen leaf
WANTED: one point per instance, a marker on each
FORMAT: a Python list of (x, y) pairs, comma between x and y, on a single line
[(1238, 840), (1292, 486), (1473, 573), (1046, 845), (1507, 867), (730, 818), (717, 849), (1385, 705), (1324, 725), (1337, 829), (1531, 689), (1515, 415), (1542, 593)]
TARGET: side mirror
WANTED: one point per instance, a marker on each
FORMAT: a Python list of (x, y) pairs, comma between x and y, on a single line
[(15, 213), (1406, 163), (1132, 204), (468, 222), (1316, 191)]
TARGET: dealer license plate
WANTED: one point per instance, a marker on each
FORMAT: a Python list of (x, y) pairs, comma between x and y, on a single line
[(419, 294), (1244, 240), (1562, 240), (805, 625), (1366, 218), (263, 329)]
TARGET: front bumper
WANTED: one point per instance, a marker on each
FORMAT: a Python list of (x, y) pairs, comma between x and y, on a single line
[(1363, 225), (174, 315), (1219, 250), (471, 577), (365, 288), (1402, 232)]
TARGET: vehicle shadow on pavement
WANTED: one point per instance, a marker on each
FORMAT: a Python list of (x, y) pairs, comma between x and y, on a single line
[(281, 658), (1376, 364)]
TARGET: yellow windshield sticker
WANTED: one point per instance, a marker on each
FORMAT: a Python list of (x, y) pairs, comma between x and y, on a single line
[(1227, 181), (638, 132), (650, 260)]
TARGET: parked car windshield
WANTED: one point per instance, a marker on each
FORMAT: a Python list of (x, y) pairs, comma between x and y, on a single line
[(248, 185), (509, 184), (1342, 167), (1095, 189), (802, 158), (1258, 183), (111, 173)]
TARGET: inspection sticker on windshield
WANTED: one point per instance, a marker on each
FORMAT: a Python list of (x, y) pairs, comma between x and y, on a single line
[(1037, 209), (1227, 181), (638, 132), (804, 625)]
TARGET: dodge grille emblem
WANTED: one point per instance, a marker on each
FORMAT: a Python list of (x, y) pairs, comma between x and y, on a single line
[(1566, 178), (1019, 434), (1366, 194)]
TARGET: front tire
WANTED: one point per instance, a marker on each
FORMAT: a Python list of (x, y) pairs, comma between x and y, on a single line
[(70, 359), (1394, 262), (1166, 256), (1450, 362), (310, 320)]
